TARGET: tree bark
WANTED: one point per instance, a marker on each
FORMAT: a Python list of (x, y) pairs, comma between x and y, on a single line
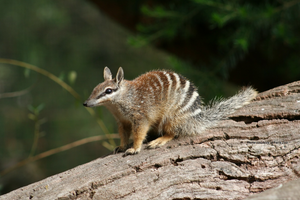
[(258, 148)]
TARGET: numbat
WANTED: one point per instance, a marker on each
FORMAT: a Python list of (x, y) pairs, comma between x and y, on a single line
[(162, 101)]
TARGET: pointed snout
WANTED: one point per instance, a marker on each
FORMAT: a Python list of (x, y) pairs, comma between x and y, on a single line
[(91, 103), (85, 104)]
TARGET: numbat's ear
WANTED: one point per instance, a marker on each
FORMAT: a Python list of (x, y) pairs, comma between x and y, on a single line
[(120, 75), (107, 74)]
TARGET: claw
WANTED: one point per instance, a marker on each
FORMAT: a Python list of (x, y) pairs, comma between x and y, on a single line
[(118, 149), (131, 151)]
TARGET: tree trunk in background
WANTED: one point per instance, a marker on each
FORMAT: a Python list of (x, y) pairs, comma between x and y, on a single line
[(257, 149)]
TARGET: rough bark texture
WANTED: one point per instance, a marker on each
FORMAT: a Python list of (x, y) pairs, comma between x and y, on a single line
[(257, 149)]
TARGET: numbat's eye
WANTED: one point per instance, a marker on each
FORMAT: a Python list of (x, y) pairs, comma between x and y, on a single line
[(108, 91)]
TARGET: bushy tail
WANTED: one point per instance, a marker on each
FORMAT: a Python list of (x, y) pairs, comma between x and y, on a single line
[(220, 109)]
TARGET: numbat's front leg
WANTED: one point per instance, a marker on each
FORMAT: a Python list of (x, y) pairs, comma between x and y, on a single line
[(124, 132), (139, 134)]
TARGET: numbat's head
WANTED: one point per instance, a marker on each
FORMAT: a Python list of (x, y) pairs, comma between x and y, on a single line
[(107, 91)]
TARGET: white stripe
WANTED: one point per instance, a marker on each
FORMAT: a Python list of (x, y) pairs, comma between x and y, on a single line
[(170, 83), (160, 81), (191, 101), (187, 86), (196, 112), (177, 81), (185, 89)]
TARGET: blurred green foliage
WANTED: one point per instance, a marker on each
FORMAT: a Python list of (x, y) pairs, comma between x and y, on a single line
[(233, 28)]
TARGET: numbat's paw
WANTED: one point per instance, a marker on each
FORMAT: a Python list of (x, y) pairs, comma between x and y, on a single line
[(119, 149), (131, 151)]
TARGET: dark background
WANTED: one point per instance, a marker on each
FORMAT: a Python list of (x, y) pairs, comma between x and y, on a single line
[(219, 45)]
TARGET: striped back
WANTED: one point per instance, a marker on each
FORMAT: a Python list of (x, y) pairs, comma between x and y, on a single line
[(169, 91)]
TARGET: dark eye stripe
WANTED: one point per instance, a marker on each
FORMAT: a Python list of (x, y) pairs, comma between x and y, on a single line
[(101, 95)]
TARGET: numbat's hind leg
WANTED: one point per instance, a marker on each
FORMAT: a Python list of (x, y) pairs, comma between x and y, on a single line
[(161, 141)]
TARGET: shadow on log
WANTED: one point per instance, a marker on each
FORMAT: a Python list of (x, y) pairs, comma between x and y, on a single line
[(258, 148)]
